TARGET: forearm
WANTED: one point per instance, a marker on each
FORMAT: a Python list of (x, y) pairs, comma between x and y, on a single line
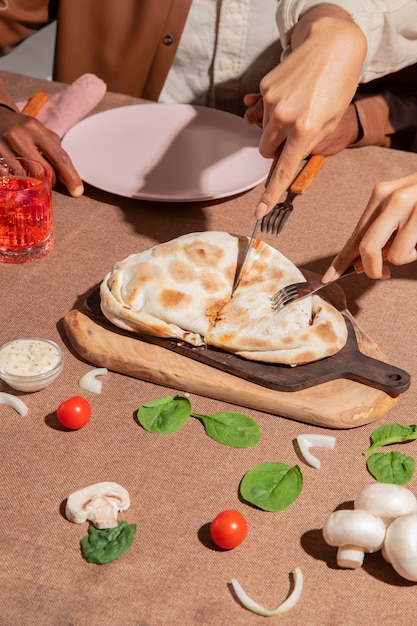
[(323, 19), (329, 30), (390, 30)]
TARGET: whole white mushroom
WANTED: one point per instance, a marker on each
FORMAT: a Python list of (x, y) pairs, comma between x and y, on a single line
[(400, 546), (354, 532), (386, 500)]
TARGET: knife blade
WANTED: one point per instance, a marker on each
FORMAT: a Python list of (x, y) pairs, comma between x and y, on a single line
[(245, 256), (251, 238)]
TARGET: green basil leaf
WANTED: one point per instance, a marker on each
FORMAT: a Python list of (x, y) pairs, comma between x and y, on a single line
[(107, 544), (232, 429), (391, 467), (164, 415), (391, 433), (272, 486)]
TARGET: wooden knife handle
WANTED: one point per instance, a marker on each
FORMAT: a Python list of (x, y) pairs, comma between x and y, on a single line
[(308, 174)]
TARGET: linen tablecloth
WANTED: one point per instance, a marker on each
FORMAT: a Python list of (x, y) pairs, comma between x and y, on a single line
[(179, 482)]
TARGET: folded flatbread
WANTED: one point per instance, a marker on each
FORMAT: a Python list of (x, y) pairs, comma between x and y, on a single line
[(182, 289)]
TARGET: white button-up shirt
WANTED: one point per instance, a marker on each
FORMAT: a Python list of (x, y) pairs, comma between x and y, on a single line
[(228, 45)]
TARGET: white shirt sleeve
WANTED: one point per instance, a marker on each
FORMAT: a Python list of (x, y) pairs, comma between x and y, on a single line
[(390, 27)]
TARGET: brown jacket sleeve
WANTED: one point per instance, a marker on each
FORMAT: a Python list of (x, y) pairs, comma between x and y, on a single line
[(129, 44)]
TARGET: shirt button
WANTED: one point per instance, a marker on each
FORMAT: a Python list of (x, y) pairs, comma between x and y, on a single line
[(233, 7), (168, 40), (228, 64)]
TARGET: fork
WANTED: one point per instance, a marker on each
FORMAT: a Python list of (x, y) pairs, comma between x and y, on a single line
[(275, 220), (298, 291)]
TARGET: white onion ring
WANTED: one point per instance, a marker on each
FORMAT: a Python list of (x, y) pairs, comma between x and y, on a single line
[(288, 604), (16, 403), (89, 381), (305, 442)]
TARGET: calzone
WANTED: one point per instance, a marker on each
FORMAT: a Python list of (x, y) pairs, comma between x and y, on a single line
[(182, 289)]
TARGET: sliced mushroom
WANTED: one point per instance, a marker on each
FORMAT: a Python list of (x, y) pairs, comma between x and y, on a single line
[(386, 500), (99, 503), (354, 533)]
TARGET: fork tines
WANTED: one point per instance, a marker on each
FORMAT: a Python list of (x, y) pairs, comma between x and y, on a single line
[(284, 296), (275, 220), (295, 291)]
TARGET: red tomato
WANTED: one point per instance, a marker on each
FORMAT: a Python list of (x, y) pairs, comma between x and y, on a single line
[(74, 412), (228, 529)]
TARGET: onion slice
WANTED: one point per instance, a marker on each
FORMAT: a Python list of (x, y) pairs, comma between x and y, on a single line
[(89, 381), (288, 604), (305, 442), (16, 403)]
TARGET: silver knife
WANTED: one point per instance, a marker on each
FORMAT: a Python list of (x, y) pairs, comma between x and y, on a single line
[(245, 256), (251, 238)]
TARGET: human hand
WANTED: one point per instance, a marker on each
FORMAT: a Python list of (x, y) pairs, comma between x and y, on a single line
[(390, 216), (255, 110), (305, 97), (343, 136), (21, 135)]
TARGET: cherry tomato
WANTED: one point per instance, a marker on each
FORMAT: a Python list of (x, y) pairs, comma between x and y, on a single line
[(228, 529), (74, 412)]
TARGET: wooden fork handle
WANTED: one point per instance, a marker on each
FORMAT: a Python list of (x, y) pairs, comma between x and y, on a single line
[(358, 265), (308, 174), (35, 103)]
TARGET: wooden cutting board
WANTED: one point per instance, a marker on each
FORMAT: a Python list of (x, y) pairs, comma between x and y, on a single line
[(340, 403)]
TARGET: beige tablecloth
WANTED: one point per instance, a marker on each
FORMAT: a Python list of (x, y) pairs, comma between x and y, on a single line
[(179, 482)]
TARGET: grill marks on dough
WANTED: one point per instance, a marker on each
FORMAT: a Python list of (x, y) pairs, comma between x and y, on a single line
[(213, 312), (182, 289), (180, 272), (208, 255), (171, 299), (199, 264), (143, 275), (326, 333), (207, 281), (247, 326)]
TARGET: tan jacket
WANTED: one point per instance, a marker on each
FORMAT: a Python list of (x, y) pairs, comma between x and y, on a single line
[(130, 44)]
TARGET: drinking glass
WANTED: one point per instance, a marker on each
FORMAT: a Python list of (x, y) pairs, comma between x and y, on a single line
[(26, 229)]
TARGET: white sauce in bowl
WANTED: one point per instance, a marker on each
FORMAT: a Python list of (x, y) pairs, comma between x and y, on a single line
[(30, 364), (29, 357)]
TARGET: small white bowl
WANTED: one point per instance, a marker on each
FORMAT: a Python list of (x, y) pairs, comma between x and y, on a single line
[(30, 364)]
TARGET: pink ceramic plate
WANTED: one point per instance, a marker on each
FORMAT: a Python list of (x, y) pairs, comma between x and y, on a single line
[(167, 152)]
